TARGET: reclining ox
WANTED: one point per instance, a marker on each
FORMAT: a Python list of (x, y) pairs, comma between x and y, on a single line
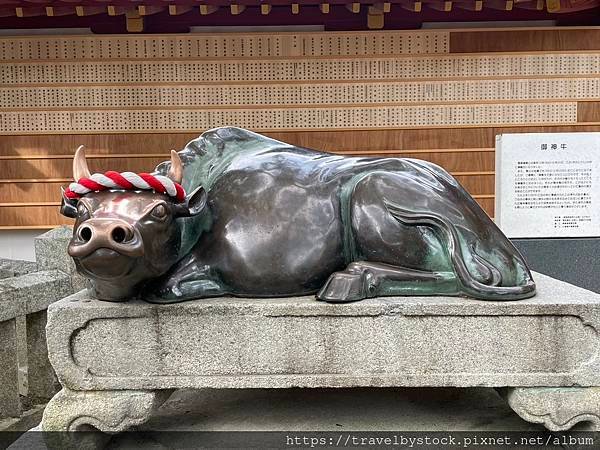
[(265, 218)]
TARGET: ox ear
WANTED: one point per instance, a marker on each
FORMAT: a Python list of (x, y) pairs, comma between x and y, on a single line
[(68, 206), (195, 203)]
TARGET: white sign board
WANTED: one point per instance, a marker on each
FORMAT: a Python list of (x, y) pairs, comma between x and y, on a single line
[(548, 184)]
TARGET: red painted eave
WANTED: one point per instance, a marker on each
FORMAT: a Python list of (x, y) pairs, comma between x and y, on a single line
[(110, 16)]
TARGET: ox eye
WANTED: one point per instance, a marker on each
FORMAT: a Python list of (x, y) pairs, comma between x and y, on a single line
[(82, 209), (159, 211)]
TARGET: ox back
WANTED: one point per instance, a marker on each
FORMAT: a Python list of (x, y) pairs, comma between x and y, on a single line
[(283, 220)]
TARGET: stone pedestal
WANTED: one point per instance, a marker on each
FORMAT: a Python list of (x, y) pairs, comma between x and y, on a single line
[(51, 254), (25, 298), (41, 381), (10, 404), (118, 361)]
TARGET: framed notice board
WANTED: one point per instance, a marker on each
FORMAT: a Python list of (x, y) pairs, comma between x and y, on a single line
[(548, 185)]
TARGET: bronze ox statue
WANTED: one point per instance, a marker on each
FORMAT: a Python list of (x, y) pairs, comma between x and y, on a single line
[(268, 219)]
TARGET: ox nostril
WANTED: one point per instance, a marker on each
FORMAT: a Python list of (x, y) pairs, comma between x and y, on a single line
[(85, 233), (118, 235)]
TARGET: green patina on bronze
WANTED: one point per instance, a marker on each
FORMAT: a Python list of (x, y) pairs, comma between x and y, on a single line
[(264, 219)]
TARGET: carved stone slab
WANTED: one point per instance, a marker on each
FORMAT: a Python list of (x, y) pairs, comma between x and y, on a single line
[(557, 409), (117, 362), (549, 340)]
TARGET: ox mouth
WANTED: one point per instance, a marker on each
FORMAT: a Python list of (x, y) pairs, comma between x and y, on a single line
[(105, 264)]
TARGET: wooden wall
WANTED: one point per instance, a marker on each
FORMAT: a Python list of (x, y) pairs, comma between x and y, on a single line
[(436, 95)]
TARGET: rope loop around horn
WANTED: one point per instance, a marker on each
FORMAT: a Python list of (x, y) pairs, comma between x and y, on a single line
[(128, 181)]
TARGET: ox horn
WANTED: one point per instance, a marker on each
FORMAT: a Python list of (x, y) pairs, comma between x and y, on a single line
[(80, 167), (176, 170)]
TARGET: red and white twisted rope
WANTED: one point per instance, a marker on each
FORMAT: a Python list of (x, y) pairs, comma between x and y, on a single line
[(126, 181)]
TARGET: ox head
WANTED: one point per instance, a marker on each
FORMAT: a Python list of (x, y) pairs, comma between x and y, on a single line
[(123, 238)]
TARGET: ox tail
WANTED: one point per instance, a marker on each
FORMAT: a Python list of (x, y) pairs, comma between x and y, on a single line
[(470, 286)]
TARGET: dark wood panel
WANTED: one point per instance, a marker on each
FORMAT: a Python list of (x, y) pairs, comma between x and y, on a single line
[(31, 192), (588, 111), (63, 168), (487, 204), (409, 139), (50, 191), (27, 216), (475, 184), (457, 162), (24, 216), (333, 141), (524, 40), (103, 144), (351, 140)]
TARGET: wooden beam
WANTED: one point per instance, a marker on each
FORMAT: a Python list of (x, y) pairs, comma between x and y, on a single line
[(414, 6), (237, 9), (148, 10), (205, 10), (13, 204), (446, 5), (377, 8), (82, 11), (115, 10), (30, 11), (177, 10), (27, 227), (134, 22), (500, 5), (353, 7), (375, 18)]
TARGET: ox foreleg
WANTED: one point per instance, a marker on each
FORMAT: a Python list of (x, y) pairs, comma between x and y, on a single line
[(364, 279), (188, 280)]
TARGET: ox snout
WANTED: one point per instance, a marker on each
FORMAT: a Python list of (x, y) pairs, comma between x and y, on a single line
[(109, 235)]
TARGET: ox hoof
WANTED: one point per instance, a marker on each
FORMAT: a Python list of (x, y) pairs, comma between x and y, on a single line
[(343, 287), (185, 289), (162, 294)]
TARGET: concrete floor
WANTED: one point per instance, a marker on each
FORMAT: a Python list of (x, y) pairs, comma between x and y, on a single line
[(364, 409)]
